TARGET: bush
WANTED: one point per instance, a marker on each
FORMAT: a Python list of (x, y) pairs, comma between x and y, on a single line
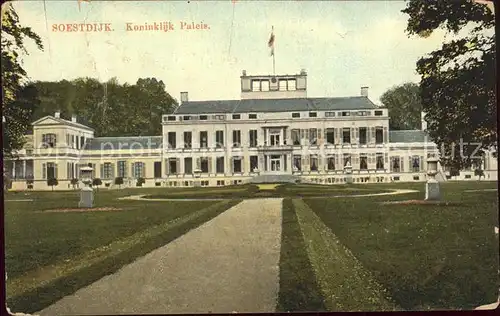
[(52, 182), (119, 181), (29, 183), (74, 182), (97, 182), (140, 182)]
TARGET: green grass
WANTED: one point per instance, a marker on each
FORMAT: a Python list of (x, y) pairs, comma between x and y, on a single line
[(427, 256), (298, 288), (248, 191), (50, 255)]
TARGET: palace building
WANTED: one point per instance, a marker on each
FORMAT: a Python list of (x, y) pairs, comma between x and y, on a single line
[(273, 132)]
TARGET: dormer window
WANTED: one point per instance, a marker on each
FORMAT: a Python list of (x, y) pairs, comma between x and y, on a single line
[(252, 116), (287, 85), (203, 117), (236, 116), (186, 118), (171, 118), (260, 85), (346, 113), (313, 114), (296, 115), (378, 113), (49, 140)]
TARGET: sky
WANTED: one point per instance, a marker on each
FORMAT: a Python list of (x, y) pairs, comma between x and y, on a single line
[(343, 45)]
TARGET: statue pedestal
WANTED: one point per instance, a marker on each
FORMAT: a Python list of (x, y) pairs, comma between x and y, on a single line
[(348, 179), (86, 197), (432, 191)]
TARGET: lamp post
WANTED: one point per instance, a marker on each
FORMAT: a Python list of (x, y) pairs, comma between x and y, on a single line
[(348, 172), (197, 175), (87, 193), (432, 191)]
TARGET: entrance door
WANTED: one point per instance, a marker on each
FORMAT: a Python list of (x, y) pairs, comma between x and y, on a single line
[(275, 163)]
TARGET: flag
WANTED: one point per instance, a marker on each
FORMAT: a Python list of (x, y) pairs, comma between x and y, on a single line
[(270, 43), (80, 1)]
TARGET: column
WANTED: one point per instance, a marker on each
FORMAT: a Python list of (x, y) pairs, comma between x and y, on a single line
[(282, 137), (13, 169), (24, 169)]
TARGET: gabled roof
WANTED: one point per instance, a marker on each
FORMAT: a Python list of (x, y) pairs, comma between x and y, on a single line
[(61, 121), (124, 143), (275, 105), (409, 136)]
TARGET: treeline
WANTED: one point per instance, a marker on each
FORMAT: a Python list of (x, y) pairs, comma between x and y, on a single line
[(111, 108)]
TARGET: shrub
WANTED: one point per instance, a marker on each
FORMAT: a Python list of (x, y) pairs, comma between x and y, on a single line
[(97, 182), (119, 181), (52, 182), (74, 183), (140, 182)]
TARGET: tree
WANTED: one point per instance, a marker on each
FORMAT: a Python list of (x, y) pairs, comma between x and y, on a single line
[(52, 182), (457, 81), (16, 109), (74, 183), (404, 105), (119, 181), (97, 182)]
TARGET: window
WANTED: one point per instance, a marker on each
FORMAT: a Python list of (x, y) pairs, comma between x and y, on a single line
[(468, 176), (264, 85), (330, 163), (313, 136), (122, 169), (107, 170), (236, 164), (363, 161), (292, 84), (236, 138), (236, 116), (82, 141), (187, 139), (204, 164), (313, 114), (282, 85), (379, 135), (416, 178), (255, 85), (172, 166), (220, 117), (362, 135), (295, 137), (362, 113), (252, 116), (204, 139), (51, 171), (346, 114), (188, 165), (314, 163), (157, 169), (380, 161), (220, 182), (73, 145), (297, 163), (203, 117), (219, 139), (254, 163), (170, 118), (219, 165), (415, 164), (329, 114), (253, 137), (395, 164), (172, 140), (346, 135), (186, 117), (295, 115), (396, 178), (378, 113), (330, 136), (347, 159), (138, 170), (49, 140)]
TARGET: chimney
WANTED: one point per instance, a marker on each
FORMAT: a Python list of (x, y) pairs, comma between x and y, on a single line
[(364, 92), (73, 118), (244, 73), (423, 121), (184, 97), (57, 114)]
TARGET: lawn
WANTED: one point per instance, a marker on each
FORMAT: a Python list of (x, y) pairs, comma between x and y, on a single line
[(426, 256), (50, 255)]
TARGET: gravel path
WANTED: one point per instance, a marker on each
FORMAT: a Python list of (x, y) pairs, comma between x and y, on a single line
[(228, 264)]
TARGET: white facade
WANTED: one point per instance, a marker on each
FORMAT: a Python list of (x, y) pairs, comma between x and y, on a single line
[(273, 130)]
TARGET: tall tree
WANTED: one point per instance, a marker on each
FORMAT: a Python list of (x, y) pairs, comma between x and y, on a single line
[(458, 80), (17, 103), (404, 106)]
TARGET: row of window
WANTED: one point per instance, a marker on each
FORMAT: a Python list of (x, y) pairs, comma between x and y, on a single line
[(254, 116), (311, 136), (73, 141), (283, 85)]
